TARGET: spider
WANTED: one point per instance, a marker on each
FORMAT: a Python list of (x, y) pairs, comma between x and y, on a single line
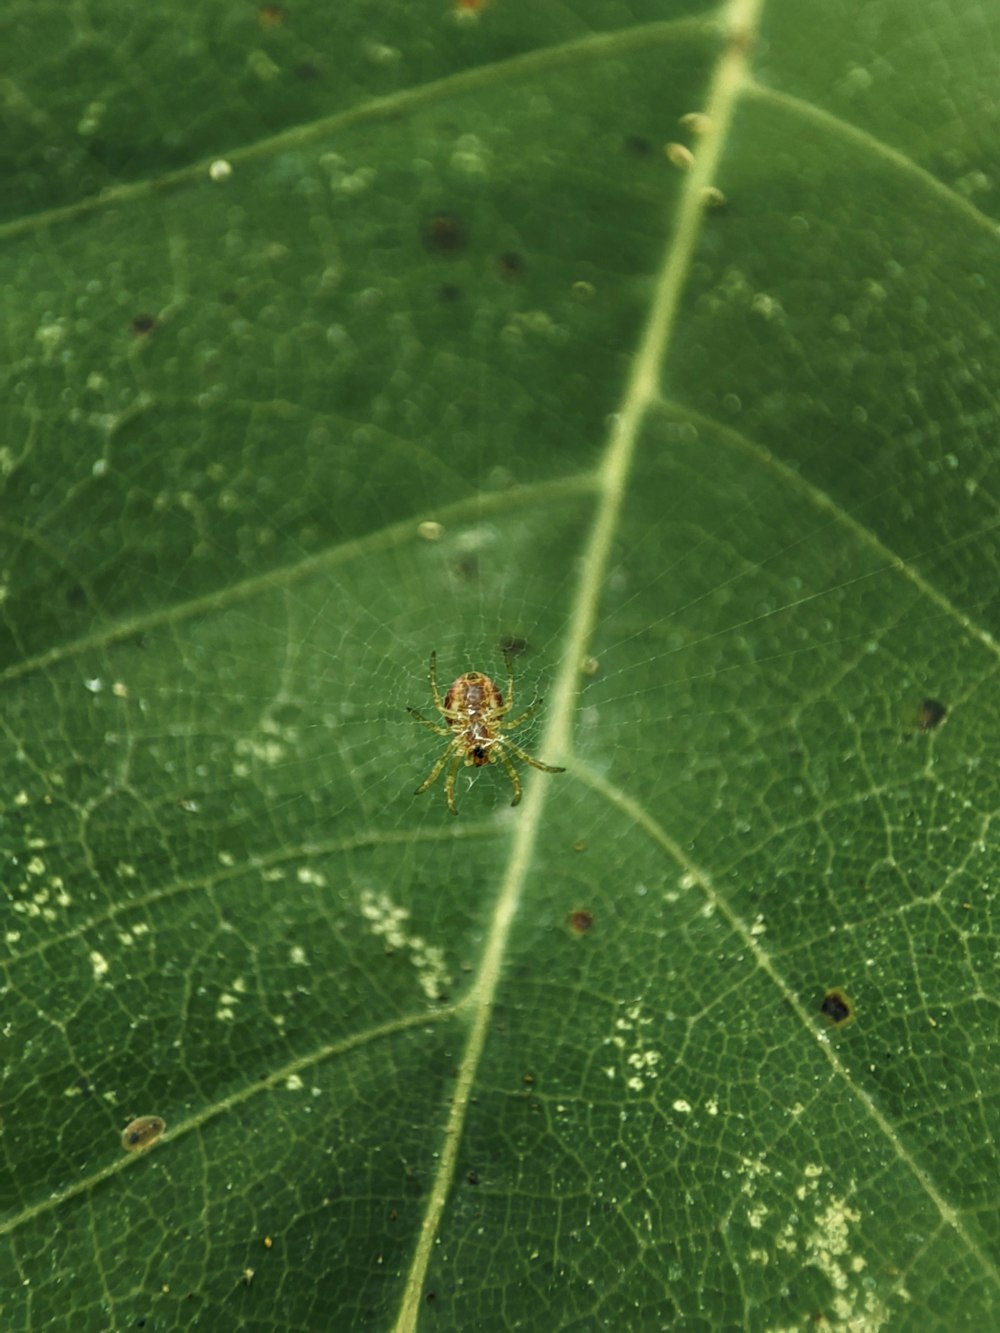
[(475, 712)]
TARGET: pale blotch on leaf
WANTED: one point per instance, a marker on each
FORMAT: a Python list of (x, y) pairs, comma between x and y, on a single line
[(142, 1132)]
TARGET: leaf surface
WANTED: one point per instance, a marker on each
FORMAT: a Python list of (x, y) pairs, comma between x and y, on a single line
[(338, 336)]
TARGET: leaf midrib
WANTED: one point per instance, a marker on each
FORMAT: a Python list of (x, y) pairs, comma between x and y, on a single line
[(741, 20)]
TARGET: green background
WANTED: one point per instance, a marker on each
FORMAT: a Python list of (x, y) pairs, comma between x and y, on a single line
[(231, 397)]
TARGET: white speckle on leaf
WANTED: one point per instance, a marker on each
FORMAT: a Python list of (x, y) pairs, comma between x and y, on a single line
[(220, 170), (389, 923), (297, 956), (757, 1214), (99, 963), (294, 1083), (681, 1106)]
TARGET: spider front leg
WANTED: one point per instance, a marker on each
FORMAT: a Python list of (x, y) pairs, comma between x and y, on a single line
[(434, 683), (535, 763), (530, 711), (509, 704)]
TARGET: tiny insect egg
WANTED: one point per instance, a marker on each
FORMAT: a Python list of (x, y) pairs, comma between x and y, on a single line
[(695, 121), (142, 1132), (679, 156)]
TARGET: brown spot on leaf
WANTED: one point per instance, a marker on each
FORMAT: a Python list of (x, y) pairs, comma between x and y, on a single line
[(143, 325), (580, 922), (445, 235)]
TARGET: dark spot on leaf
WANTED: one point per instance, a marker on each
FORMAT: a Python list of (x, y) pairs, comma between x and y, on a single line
[(271, 16), (638, 146), (307, 71), (143, 325), (513, 644), (472, 1177), (444, 234), (77, 596), (837, 1007), (393, 1214), (449, 292), (431, 1295), (932, 713), (528, 1079), (579, 845), (580, 922), (511, 265)]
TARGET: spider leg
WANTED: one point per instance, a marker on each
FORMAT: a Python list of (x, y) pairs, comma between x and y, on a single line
[(535, 763), (434, 684), (436, 770), (509, 702), (511, 771), (530, 711), (441, 731), (449, 786)]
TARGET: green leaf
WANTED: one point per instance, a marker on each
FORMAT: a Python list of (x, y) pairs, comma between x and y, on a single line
[(336, 336)]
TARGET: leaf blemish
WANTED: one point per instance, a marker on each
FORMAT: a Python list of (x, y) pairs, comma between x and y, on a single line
[(389, 923), (932, 713), (580, 922), (444, 234), (142, 1132), (511, 265), (836, 1007)]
